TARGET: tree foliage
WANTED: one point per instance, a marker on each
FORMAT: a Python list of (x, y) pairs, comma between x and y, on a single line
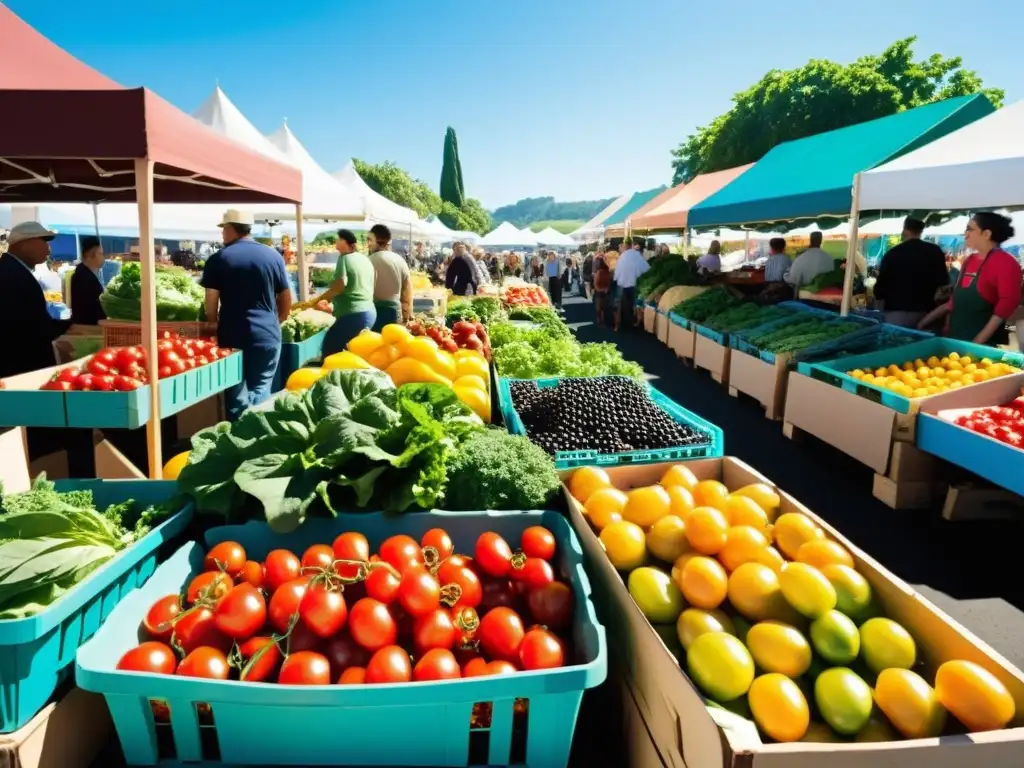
[(530, 210), (452, 187), (822, 96)]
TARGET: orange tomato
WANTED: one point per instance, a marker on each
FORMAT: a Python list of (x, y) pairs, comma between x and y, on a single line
[(706, 530), (585, 480), (605, 506), (679, 475), (704, 583), (743, 544), (711, 493)]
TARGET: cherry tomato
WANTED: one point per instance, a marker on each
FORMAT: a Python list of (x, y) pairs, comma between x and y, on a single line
[(390, 664), (501, 632), (353, 676), (305, 668), (540, 649), (241, 613), (538, 541), (501, 668), (211, 585), (159, 620), (433, 630), (284, 603), (323, 610), (57, 386), (436, 664), (197, 628), (439, 539), (497, 592), (476, 667), (84, 382), (152, 657), (372, 625), (493, 555), (317, 556), (228, 556), (382, 584), (452, 572), (66, 375), (534, 574), (123, 383), (350, 546), (344, 652), (419, 593), (280, 567), (97, 367), (400, 552), (261, 668), (467, 624), (551, 605), (205, 662), (252, 573), (303, 639)]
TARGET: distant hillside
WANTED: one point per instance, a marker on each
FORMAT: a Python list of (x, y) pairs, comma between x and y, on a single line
[(532, 210), (565, 226)]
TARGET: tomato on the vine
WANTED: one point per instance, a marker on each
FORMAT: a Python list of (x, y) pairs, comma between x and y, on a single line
[(493, 555), (433, 630), (196, 628), (209, 585), (551, 605), (534, 574), (280, 567), (372, 625), (262, 667), (350, 546), (305, 668), (322, 609), (152, 657), (159, 619), (439, 539), (390, 664), (419, 593), (205, 662), (284, 603), (400, 552), (228, 556), (382, 584), (538, 541), (241, 613), (540, 649), (252, 573), (436, 664), (317, 556), (501, 632)]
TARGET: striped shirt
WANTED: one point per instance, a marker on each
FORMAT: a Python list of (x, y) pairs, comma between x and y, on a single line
[(775, 269)]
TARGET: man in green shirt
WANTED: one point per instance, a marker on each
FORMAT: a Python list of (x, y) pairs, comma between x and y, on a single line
[(351, 292)]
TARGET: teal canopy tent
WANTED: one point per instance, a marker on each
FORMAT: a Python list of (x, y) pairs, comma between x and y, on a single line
[(619, 217)]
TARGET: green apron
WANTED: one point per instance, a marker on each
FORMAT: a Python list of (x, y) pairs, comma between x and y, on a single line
[(388, 312), (972, 311)]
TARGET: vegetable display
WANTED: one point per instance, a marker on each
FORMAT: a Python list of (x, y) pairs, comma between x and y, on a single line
[(178, 296), (483, 309), (414, 611), (552, 350), (1004, 423), (713, 301), (746, 315), (801, 332), (321, 277), (51, 540), (773, 620), (525, 295), (666, 272), (306, 323), (460, 334), (920, 378), (607, 415)]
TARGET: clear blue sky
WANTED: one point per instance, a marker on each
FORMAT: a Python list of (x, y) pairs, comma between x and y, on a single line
[(579, 99)]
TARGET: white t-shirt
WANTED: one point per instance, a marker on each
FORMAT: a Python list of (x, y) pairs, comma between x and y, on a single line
[(629, 267), (808, 265)]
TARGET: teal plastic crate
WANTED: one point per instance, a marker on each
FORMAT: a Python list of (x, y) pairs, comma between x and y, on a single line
[(411, 724), (32, 408), (878, 338), (714, 447), (679, 320), (834, 371), (36, 653), (294, 355), (740, 339)]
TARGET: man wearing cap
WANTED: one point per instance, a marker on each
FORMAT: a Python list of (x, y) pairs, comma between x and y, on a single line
[(28, 328), (247, 297), (909, 276)]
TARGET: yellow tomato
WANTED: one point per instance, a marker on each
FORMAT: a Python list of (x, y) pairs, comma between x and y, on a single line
[(604, 505), (743, 544), (585, 480), (765, 496), (647, 505), (304, 378), (625, 545), (822, 552), (478, 401), (694, 622), (710, 493), (346, 361), (680, 500), (703, 583), (667, 539), (706, 530), (806, 589), (743, 510), (173, 467), (974, 695), (910, 704), (792, 530), (365, 343), (395, 333), (679, 475)]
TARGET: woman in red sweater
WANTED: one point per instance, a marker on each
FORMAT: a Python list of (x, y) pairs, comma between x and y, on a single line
[(988, 290)]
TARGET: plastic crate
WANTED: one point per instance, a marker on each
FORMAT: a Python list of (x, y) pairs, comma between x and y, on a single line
[(997, 462), (128, 333), (834, 371), (877, 338), (714, 446), (266, 724), (36, 652), (679, 320), (294, 355), (740, 339)]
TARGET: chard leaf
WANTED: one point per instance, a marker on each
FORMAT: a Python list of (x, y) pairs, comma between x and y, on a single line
[(53, 566), (338, 391), (283, 485), (363, 485)]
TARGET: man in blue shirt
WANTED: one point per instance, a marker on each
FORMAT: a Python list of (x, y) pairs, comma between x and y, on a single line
[(247, 297)]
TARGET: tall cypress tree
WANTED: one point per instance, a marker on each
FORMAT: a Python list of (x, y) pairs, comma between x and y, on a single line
[(452, 189)]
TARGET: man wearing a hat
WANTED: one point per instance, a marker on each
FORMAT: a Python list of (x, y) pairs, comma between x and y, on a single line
[(28, 329), (909, 277), (247, 297)]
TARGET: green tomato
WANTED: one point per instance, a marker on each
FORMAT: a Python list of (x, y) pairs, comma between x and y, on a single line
[(656, 595)]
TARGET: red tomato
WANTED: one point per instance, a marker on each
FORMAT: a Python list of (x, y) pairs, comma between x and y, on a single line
[(197, 628), (124, 383), (538, 541), (67, 375), (127, 357), (372, 625), (159, 620), (84, 382), (241, 613), (493, 555), (164, 372), (476, 667), (551, 605), (353, 676), (350, 546), (433, 630), (468, 582), (280, 567), (303, 639), (211, 585), (497, 592), (344, 652), (419, 593), (439, 539), (323, 610), (97, 367), (305, 668), (205, 662), (436, 664), (284, 603), (152, 657), (57, 386), (534, 574), (382, 585), (105, 383), (228, 556), (261, 656), (501, 632), (400, 552), (317, 556), (390, 664), (501, 668), (467, 623), (252, 573), (540, 649)]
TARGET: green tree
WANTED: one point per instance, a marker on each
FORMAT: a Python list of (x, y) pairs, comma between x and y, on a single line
[(471, 217), (822, 96), (398, 186), (452, 188)]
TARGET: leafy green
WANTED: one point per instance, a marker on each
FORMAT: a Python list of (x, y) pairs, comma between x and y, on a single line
[(665, 272), (178, 296), (304, 324), (487, 308), (523, 353), (711, 302)]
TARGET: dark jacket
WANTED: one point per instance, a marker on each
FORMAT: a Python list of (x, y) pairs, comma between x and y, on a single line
[(86, 290), (28, 329), (460, 276), (909, 276)]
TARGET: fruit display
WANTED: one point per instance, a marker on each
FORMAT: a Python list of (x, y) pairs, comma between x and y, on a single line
[(552, 350), (340, 614), (772, 619), (460, 334), (123, 369), (525, 295), (306, 323), (920, 378), (799, 332), (603, 414), (711, 302), (1004, 423), (746, 315), (178, 296)]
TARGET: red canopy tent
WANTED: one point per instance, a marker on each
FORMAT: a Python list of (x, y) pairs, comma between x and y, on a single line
[(71, 134)]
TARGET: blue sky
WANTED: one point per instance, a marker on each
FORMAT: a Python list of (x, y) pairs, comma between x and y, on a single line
[(579, 99)]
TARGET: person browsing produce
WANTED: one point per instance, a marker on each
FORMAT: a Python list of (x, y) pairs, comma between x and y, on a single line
[(351, 293), (553, 272), (392, 287), (712, 260), (809, 264), (909, 276), (628, 269), (461, 274), (988, 290), (247, 297), (87, 285), (778, 261), (602, 287)]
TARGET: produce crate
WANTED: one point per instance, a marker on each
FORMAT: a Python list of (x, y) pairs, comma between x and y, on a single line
[(662, 327), (680, 336), (711, 353), (650, 317), (128, 333), (36, 652), (688, 733), (294, 355), (739, 339), (569, 459), (349, 725), (23, 404), (433, 301)]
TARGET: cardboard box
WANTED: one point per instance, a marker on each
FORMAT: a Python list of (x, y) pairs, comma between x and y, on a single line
[(67, 733), (681, 340), (17, 473), (675, 713), (765, 382), (712, 356), (663, 326), (650, 318)]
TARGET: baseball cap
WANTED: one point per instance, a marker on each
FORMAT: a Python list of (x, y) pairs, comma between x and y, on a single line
[(235, 216), (29, 230)]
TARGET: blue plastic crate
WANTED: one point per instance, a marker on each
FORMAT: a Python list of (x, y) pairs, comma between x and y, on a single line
[(714, 447), (719, 337), (987, 457), (294, 355), (36, 653), (679, 320), (267, 724), (740, 339), (860, 343), (834, 371), (32, 408)]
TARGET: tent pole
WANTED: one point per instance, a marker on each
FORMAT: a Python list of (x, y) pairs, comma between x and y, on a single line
[(96, 219), (686, 243), (851, 249), (147, 257), (301, 255), (746, 246)]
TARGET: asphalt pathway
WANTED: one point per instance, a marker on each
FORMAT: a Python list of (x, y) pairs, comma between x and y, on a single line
[(970, 569)]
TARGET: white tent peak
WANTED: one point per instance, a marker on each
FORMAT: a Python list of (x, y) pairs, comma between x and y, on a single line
[(551, 236), (220, 113), (378, 207), (508, 234)]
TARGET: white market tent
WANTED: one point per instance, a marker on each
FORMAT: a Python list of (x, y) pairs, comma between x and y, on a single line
[(551, 236), (434, 229), (377, 207), (506, 234), (467, 237)]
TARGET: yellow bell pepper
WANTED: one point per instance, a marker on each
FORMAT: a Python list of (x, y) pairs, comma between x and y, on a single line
[(471, 381), (394, 333), (445, 364), (479, 402), (365, 343), (427, 352), (304, 378), (383, 356), (408, 370), (474, 365), (345, 361)]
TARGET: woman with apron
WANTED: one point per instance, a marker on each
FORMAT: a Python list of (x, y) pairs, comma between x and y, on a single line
[(988, 290)]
